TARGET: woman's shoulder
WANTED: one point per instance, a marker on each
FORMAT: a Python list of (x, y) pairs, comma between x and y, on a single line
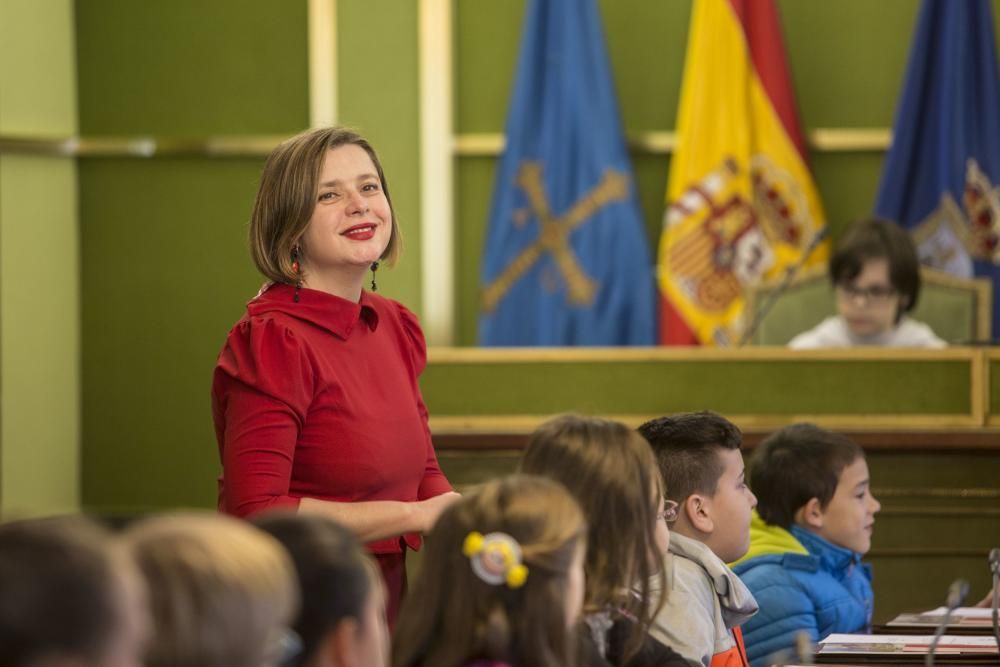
[(403, 321), (386, 307)]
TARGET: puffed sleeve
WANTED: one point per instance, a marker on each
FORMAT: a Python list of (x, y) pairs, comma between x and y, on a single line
[(261, 391), (434, 483)]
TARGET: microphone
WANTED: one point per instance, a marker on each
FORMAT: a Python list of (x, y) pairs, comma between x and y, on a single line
[(802, 653), (956, 594), (786, 282), (995, 570)]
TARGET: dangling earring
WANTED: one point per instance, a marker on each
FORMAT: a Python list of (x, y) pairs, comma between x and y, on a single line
[(297, 270), (374, 269)]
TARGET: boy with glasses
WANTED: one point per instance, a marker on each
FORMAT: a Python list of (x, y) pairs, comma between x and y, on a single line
[(876, 277), (702, 466)]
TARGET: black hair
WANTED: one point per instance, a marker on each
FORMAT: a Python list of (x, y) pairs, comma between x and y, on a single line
[(796, 464), (59, 594), (686, 447), (332, 569), (875, 238)]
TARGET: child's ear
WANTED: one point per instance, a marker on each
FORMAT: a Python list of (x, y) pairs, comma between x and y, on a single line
[(699, 515), (810, 515), (337, 645)]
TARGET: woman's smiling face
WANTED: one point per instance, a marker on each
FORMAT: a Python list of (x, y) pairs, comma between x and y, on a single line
[(352, 221)]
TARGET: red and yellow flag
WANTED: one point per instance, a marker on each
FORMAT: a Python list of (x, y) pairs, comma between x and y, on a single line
[(741, 204)]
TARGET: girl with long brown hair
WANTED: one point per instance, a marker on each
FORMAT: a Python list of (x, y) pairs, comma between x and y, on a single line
[(502, 581), (611, 471)]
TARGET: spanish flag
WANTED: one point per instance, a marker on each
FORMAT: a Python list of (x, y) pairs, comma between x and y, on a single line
[(741, 204)]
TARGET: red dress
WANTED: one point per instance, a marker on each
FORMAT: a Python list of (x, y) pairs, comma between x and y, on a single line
[(319, 399)]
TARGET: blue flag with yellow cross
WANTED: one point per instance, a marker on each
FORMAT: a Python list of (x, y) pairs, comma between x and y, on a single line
[(566, 258)]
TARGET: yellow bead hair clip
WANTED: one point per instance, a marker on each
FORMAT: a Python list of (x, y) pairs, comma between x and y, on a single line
[(496, 558)]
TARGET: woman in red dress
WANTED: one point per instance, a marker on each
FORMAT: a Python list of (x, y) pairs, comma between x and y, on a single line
[(315, 397)]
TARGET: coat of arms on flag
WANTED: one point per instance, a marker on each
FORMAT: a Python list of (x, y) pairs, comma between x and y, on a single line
[(741, 204), (955, 234)]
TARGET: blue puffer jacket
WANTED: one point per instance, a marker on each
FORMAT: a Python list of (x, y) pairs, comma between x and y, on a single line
[(802, 583)]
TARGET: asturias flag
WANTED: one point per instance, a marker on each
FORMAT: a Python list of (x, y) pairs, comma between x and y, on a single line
[(566, 260), (941, 173), (741, 203)]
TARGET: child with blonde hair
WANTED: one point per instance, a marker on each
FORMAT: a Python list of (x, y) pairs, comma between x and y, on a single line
[(221, 592)]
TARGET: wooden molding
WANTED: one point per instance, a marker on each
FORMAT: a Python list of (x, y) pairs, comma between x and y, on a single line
[(975, 440), (829, 139), (496, 355)]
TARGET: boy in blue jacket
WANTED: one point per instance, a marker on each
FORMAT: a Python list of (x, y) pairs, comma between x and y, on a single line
[(813, 524)]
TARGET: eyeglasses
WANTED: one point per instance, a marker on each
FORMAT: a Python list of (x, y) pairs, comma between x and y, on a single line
[(286, 647), (876, 294), (669, 511)]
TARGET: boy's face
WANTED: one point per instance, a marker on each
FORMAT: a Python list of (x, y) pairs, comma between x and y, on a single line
[(730, 509), (869, 304), (848, 518)]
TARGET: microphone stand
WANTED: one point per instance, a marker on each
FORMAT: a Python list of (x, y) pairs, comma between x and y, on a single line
[(802, 653), (956, 593), (995, 570), (780, 290)]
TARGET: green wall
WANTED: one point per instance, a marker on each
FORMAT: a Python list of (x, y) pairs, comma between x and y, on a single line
[(166, 269), (377, 81), (39, 265)]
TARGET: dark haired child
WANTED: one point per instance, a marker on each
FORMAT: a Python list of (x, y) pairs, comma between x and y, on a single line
[(702, 466), (814, 524), (342, 617), (876, 279), (70, 594)]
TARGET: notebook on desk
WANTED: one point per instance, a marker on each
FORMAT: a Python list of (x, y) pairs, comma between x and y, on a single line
[(963, 621), (906, 649)]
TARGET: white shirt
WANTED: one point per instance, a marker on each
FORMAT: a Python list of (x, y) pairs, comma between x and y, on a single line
[(834, 332)]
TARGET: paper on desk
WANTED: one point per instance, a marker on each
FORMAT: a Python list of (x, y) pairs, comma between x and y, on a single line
[(842, 643), (965, 612)]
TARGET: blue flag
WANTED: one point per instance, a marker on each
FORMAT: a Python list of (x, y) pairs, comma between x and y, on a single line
[(941, 173), (566, 260)]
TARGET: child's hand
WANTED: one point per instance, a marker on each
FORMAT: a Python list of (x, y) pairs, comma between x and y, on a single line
[(987, 601), (431, 509)]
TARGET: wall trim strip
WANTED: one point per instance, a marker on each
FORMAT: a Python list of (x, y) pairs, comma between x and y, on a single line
[(824, 139), (436, 115)]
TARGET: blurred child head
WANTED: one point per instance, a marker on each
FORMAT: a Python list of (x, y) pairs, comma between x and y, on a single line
[(342, 617), (611, 471), (221, 592), (876, 276), (476, 597), (69, 595), (814, 478), (699, 457)]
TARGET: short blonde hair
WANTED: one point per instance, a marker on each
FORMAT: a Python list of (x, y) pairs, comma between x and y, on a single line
[(221, 592), (287, 196)]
